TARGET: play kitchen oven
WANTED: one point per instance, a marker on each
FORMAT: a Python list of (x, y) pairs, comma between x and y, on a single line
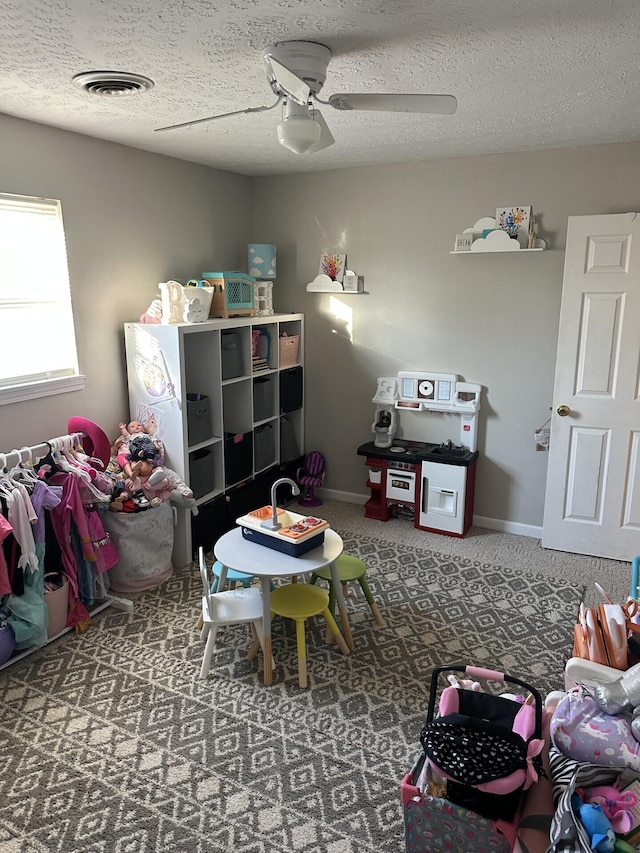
[(401, 481), (432, 483)]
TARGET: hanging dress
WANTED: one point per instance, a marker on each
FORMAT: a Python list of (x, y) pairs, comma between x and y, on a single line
[(28, 612), (69, 512)]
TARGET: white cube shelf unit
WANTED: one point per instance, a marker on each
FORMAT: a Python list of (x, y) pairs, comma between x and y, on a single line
[(233, 367)]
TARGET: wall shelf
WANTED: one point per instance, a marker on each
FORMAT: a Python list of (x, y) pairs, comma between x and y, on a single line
[(498, 252), (487, 238)]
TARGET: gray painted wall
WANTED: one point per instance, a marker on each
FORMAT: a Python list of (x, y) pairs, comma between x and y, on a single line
[(133, 219), (492, 319)]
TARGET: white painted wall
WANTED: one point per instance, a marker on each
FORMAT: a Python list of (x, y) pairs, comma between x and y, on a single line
[(132, 219), (493, 319)]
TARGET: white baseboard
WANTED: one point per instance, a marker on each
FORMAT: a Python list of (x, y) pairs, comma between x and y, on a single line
[(508, 526), (347, 497), (478, 520)]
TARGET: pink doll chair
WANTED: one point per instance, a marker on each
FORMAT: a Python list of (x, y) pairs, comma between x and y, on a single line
[(310, 477)]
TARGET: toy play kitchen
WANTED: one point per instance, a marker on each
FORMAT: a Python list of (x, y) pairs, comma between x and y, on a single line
[(432, 483)]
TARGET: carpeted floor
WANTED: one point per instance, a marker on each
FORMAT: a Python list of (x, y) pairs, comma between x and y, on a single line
[(502, 549), (110, 742)]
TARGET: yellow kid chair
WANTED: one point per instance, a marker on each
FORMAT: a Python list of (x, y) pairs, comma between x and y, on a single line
[(300, 601)]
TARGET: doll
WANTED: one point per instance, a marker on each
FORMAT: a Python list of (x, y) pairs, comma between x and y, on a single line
[(150, 484), (151, 481), (141, 448), (123, 443)]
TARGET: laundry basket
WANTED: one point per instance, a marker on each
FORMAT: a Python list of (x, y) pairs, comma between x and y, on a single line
[(144, 541)]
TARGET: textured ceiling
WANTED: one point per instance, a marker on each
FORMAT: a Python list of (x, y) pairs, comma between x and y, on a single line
[(527, 74)]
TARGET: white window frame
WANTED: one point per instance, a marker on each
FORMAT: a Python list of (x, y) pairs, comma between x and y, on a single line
[(17, 294)]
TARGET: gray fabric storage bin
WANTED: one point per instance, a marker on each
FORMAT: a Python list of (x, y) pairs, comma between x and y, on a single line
[(198, 418), (264, 447), (201, 472), (231, 355), (263, 398)]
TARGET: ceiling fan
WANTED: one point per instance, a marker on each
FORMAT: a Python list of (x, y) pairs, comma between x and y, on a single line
[(296, 71)]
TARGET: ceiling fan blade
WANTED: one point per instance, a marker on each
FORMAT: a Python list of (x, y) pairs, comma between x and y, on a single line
[(434, 104), (213, 118), (289, 83), (326, 137)]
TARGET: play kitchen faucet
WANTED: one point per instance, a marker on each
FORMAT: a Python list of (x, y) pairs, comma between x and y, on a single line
[(273, 523)]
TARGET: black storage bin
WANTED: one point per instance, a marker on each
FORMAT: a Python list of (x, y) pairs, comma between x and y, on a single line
[(264, 446), (290, 389), (231, 355), (263, 388), (289, 449), (198, 418), (251, 495), (201, 471), (211, 522), (238, 457)]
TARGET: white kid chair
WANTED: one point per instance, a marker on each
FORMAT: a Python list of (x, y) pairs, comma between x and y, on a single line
[(230, 607)]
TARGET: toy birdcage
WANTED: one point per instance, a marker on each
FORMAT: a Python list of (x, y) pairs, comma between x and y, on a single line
[(233, 294)]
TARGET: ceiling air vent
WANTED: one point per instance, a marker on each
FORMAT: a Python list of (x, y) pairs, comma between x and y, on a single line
[(112, 84)]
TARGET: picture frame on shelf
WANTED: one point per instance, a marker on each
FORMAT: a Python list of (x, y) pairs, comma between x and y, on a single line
[(333, 265), (515, 221), (463, 242)]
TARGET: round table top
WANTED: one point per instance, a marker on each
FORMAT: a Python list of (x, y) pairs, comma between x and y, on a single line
[(236, 552)]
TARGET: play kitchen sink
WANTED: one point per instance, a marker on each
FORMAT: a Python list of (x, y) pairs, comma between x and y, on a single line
[(448, 451), (419, 451), (296, 535)]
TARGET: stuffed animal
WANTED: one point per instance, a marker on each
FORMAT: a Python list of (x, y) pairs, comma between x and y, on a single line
[(153, 314), (615, 804), (596, 824), (464, 683)]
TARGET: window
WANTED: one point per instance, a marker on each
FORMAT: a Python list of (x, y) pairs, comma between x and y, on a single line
[(38, 336)]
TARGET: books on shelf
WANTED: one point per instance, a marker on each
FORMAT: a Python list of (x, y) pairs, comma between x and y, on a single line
[(259, 364)]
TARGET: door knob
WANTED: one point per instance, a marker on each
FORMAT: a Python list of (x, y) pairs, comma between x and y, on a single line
[(563, 411)]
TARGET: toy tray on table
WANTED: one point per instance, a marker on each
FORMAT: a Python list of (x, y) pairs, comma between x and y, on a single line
[(298, 534)]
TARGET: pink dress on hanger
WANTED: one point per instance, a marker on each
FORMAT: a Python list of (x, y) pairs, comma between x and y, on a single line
[(70, 509), (5, 584)]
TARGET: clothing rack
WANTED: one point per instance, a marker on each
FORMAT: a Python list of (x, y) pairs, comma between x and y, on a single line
[(33, 454), (37, 451)]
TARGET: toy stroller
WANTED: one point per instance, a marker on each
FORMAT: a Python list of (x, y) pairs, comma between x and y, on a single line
[(484, 750)]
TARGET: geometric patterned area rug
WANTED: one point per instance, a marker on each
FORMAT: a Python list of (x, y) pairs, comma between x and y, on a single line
[(110, 742)]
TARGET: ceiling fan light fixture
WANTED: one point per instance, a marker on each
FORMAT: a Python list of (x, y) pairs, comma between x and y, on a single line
[(298, 131), (299, 134)]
